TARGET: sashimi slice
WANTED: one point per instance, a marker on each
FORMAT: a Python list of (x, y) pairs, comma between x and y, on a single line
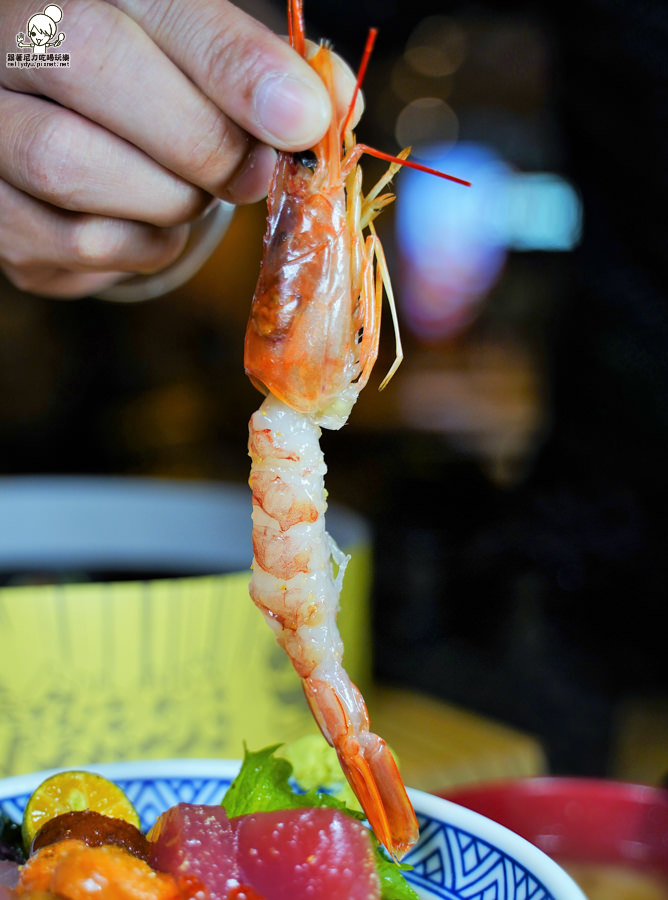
[(319, 853), (192, 839)]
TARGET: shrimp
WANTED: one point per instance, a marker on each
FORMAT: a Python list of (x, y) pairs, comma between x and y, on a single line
[(311, 343)]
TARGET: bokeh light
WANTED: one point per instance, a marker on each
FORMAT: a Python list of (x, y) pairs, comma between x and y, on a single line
[(427, 122), (453, 241), (436, 47)]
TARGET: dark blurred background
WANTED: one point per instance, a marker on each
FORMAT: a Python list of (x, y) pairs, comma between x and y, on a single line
[(515, 470)]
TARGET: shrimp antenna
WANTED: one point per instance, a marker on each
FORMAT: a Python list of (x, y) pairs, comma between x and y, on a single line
[(371, 151), (361, 72)]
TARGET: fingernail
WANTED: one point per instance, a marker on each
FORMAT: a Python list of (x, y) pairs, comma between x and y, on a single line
[(291, 111)]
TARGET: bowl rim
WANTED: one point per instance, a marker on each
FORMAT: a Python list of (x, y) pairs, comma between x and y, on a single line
[(555, 880), (550, 875)]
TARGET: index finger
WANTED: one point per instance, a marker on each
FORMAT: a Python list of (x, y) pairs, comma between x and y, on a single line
[(250, 73)]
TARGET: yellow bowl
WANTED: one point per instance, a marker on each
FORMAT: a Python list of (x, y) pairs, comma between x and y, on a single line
[(127, 630)]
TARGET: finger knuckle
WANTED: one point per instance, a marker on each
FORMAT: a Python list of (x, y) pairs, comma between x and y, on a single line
[(102, 244), (217, 155), (93, 243), (218, 54), (47, 154)]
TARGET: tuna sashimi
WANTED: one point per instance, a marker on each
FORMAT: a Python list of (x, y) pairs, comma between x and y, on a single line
[(192, 839), (319, 853)]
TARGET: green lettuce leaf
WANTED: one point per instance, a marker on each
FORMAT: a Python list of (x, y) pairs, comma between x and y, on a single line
[(393, 885), (263, 784)]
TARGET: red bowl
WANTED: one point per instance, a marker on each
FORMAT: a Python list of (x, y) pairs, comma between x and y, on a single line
[(579, 819)]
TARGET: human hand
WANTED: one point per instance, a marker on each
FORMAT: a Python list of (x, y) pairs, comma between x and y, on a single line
[(106, 164)]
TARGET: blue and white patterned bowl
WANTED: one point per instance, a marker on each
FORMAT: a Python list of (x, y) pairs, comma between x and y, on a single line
[(460, 855)]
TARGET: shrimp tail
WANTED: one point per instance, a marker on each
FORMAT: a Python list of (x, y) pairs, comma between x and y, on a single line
[(368, 765)]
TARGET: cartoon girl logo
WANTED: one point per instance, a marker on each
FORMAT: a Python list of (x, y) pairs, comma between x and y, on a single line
[(43, 31)]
